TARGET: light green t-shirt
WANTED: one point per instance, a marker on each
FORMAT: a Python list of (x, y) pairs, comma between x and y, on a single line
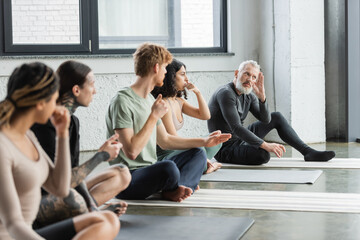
[(128, 110)]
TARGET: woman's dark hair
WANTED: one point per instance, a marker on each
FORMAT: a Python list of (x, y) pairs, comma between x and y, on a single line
[(169, 87), (71, 73), (27, 85)]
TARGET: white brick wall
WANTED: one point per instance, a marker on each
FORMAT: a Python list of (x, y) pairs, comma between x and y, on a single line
[(92, 119), (57, 22), (45, 21)]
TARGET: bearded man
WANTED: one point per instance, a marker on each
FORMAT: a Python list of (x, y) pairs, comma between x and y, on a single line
[(230, 105)]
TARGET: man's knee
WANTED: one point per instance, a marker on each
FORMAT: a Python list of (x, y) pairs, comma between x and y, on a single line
[(108, 224), (199, 155), (123, 176), (261, 157), (196, 158), (265, 156), (168, 169), (278, 117), (113, 220)]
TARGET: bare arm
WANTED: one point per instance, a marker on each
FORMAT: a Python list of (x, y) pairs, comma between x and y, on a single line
[(202, 111), (107, 152), (58, 181), (78, 174), (168, 122), (167, 141), (132, 143)]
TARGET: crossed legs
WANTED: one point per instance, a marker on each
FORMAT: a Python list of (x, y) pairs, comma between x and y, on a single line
[(175, 178), (102, 187), (108, 183), (95, 225)]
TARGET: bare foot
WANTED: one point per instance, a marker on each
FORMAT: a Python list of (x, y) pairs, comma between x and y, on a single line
[(197, 188), (212, 167), (178, 195), (119, 208)]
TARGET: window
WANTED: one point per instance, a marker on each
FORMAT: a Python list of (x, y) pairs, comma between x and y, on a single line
[(44, 26), (53, 23), (121, 27), (111, 26)]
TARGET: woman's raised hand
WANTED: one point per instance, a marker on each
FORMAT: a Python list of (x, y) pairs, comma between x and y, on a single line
[(61, 121)]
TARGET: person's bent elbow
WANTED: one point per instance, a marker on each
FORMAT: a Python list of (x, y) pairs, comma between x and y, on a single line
[(13, 225), (130, 154), (59, 189), (62, 192), (266, 120), (206, 117), (163, 145)]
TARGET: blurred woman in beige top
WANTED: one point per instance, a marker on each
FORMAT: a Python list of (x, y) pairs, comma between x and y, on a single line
[(24, 167)]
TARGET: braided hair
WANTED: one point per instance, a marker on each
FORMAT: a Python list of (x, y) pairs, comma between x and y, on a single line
[(27, 85)]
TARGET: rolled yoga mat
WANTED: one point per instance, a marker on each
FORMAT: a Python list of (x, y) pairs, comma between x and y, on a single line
[(182, 227), (262, 176)]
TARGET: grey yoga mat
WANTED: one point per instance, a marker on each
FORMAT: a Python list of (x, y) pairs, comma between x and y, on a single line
[(263, 176), (351, 163), (182, 227)]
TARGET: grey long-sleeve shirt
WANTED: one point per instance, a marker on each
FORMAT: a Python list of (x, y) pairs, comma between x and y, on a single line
[(229, 110)]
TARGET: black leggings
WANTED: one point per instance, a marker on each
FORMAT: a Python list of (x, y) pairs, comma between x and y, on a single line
[(58, 231), (239, 152)]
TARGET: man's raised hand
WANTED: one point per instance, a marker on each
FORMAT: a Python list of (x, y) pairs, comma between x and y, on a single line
[(159, 108), (259, 87)]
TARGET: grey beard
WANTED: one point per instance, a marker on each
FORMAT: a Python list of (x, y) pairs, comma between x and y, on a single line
[(241, 89)]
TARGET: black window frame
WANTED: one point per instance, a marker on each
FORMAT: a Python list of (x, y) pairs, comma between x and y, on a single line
[(89, 39), (9, 48)]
